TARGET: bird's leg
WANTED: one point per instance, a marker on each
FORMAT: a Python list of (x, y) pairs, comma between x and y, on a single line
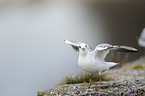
[(118, 56), (90, 80), (112, 57), (100, 79), (125, 58)]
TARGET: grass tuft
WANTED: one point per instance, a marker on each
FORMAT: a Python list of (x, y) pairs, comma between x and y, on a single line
[(83, 78), (135, 67), (138, 66)]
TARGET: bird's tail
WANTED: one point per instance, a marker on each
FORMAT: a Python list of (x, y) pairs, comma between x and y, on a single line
[(111, 64)]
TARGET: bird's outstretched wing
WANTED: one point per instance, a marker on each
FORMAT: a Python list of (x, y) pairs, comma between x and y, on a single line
[(105, 46), (75, 45), (124, 49), (102, 50)]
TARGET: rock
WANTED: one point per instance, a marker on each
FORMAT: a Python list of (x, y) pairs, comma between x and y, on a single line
[(136, 87), (129, 82)]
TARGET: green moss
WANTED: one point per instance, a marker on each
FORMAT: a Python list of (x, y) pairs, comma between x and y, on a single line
[(93, 83), (40, 93), (138, 66), (83, 78)]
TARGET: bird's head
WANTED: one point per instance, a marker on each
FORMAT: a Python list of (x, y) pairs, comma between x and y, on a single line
[(83, 48)]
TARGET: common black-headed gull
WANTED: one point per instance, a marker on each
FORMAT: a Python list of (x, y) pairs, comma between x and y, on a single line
[(141, 40), (92, 61)]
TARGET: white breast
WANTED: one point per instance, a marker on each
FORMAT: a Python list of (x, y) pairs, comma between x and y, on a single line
[(90, 64)]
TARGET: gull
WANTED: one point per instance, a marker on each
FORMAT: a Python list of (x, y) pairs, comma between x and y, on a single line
[(141, 40), (92, 61)]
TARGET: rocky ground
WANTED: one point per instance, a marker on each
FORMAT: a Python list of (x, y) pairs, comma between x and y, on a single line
[(126, 82), (132, 88), (130, 75)]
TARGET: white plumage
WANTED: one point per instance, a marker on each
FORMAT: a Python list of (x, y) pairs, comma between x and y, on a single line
[(92, 61)]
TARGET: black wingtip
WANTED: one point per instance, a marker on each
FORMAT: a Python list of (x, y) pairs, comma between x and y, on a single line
[(134, 51), (130, 51), (137, 51)]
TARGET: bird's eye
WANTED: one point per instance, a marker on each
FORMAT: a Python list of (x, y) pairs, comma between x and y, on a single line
[(79, 46), (85, 45)]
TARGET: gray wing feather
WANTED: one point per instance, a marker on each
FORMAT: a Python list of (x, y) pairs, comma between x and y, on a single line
[(103, 49), (75, 48), (75, 45), (125, 49)]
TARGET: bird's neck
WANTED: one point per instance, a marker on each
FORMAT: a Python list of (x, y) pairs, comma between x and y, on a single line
[(83, 52)]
